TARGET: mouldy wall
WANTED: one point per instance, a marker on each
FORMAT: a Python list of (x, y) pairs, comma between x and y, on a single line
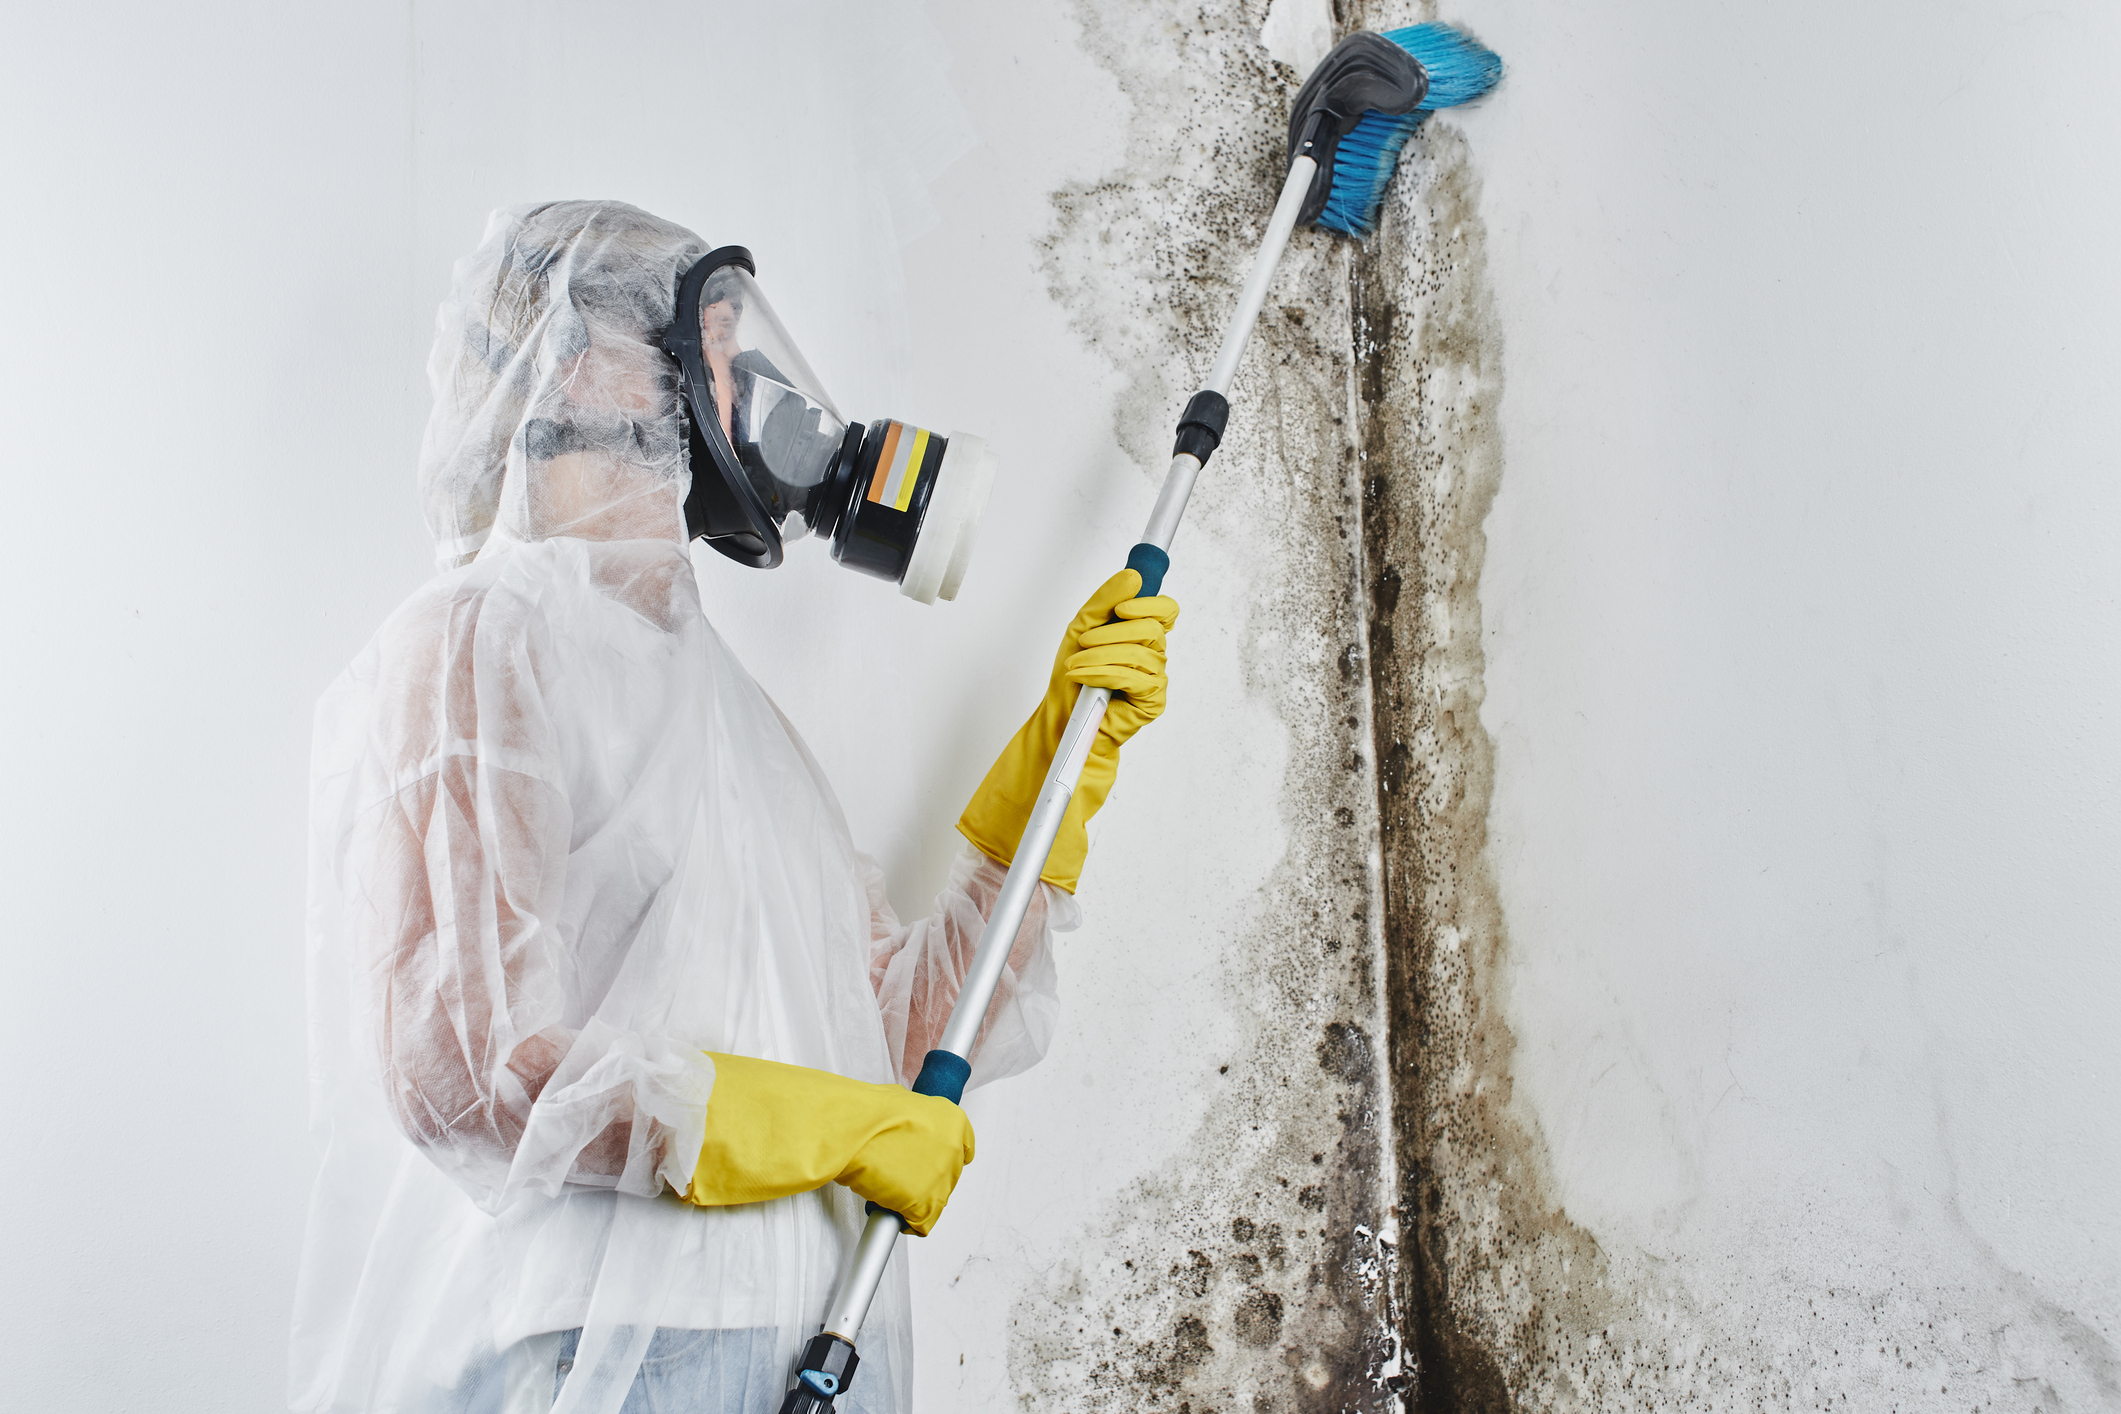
[(1264, 1274), (1498, 1283), (1371, 1216), (1507, 1302), (1256, 1274)]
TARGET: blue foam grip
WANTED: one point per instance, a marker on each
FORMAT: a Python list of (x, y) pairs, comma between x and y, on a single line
[(943, 1073), (1150, 563)]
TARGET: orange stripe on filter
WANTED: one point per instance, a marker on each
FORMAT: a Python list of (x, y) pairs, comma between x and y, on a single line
[(883, 460), (911, 476)]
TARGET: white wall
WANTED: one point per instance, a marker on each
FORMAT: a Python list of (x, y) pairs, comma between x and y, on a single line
[(210, 405)]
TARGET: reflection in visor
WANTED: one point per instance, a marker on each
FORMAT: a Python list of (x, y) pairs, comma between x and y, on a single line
[(779, 422), (793, 436)]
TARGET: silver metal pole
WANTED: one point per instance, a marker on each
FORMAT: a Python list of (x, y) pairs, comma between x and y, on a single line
[(999, 936), (857, 1287), (850, 1304), (1162, 528), (1280, 226)]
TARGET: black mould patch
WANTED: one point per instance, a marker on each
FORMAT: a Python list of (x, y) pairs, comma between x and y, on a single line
[(1258, 1318), (1495, 1269), (1265, 1252), (1364, 434), (1507, 1303)]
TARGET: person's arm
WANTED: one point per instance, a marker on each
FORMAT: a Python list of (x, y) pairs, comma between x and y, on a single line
[(917, 969), (1116, 641), (462, 872), (459, 972)]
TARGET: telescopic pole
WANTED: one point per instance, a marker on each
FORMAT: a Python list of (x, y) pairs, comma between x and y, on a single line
[(829, 1360)]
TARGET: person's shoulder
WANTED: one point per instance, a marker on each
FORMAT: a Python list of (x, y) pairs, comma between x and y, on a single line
[(465, 585), (563, 589), (478, 608), (459, 660), (454, 597)]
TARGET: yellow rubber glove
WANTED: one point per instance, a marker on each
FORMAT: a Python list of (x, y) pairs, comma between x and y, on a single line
[(1127, 656), (776, 1129)]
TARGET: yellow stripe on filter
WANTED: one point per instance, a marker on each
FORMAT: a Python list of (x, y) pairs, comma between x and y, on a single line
[(913, 468), (906, 468)]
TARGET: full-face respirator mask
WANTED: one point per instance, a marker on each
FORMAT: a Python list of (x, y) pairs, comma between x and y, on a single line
[(773, 461)]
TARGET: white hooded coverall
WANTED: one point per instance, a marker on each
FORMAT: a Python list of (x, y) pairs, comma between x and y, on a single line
[(562, 845)]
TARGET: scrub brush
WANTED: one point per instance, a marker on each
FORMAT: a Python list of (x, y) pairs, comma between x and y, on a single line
[(1449, 68)]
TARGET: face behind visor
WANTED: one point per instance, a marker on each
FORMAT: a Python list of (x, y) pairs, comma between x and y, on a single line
[(774, 461)]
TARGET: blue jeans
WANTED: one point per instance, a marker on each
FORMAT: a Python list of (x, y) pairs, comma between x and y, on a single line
[(697, 1372)]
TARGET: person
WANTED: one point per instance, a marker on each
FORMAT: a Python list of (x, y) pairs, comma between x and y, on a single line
[(733, 367), (611, 1023)]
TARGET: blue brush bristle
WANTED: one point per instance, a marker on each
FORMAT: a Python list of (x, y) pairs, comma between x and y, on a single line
[(1459, 71)]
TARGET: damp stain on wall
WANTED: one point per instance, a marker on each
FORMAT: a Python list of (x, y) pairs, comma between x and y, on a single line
[(1267, 1273), (1505, 1301)]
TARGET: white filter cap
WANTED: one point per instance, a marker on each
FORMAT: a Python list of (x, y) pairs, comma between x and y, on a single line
[(951, 524)]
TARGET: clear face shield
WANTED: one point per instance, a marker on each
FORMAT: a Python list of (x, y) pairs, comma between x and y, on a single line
[(774, 461)]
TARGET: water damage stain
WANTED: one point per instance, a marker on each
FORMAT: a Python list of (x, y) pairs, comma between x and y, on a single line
[(1266, 1275), (1507, 1303)]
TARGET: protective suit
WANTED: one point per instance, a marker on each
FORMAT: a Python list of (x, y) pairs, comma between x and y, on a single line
[(563, 847)]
